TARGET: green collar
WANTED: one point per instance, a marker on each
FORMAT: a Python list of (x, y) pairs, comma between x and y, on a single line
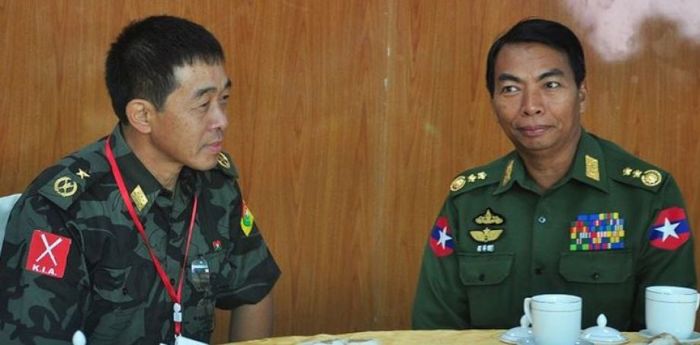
[(588, 167), (142, 186)]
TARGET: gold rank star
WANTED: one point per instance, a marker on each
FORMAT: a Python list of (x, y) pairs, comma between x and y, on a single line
[(82, 174), (481, 175), (471, 178), (637, 173), (627, 171)]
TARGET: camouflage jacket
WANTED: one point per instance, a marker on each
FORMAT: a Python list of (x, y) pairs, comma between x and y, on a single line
[(73, 259)]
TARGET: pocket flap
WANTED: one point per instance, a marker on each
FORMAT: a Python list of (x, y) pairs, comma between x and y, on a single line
[(615, 266), (484, 269)]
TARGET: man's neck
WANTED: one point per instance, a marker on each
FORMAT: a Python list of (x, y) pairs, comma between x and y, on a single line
[(165, 171), (548, 167)]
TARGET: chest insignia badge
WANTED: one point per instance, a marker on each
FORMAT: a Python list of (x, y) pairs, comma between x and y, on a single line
[(490, 233)]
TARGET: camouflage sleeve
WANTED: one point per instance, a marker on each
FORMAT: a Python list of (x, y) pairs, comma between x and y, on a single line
[(43, 276), (667, 249), (254, 270), (440, 302)]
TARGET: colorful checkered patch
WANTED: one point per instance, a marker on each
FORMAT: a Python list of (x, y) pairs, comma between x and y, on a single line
[(597, 231)]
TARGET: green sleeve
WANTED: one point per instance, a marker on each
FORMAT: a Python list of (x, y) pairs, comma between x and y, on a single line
[(440, 301), (38, 308), (252, 271), (661, 266)]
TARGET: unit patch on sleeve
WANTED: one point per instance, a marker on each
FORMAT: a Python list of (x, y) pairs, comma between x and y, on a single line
[(48, 254), (670, 229), (247, 219), (597, 231), (441, 241)]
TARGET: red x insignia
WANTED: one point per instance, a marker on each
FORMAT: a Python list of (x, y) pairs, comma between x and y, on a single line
[(48, 254)]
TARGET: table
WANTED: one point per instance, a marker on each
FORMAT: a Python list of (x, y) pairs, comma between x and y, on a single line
[(439, 337)]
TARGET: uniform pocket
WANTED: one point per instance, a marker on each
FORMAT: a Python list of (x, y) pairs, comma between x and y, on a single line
[(484, 269), (489, 288), (600, 267)]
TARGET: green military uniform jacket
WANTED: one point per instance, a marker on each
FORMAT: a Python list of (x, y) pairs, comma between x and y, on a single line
[(611, 227), (73, 259)]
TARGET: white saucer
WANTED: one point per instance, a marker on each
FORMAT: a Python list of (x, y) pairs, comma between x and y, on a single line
[(693, 339), (514, 335), (531, 341)]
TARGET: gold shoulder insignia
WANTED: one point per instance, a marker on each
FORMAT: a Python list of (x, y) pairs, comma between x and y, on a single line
[(651, 178), (457, 183)]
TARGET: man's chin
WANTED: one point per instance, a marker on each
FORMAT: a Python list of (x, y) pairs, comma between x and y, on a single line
[(204, 165)]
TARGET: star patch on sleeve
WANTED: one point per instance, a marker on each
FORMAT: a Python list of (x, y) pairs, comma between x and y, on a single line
[(48, 254), (441, 238), (670, 229)]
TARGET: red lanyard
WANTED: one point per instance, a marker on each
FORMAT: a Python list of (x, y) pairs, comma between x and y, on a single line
[(176, 297)]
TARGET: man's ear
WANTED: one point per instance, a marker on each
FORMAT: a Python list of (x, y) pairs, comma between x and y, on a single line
[(582, 95), (140, 113)]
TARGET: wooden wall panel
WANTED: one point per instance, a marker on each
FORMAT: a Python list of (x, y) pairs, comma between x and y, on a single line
[(348, 119), (309, 81)]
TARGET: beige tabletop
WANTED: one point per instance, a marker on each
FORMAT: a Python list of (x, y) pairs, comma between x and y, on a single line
[(440, 337)]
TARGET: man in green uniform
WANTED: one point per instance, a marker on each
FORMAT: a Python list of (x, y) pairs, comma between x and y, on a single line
[(136, 238), (566, 212)]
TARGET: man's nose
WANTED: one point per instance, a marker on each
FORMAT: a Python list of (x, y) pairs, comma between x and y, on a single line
[(219, 118), (532, 103)]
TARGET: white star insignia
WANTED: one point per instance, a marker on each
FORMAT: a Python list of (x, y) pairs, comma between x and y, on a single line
[(444, 237), (82, 174), (668, 229)]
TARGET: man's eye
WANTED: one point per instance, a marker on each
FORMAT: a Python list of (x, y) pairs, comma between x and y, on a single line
[(552, 84), (509, 89), (204, 105)]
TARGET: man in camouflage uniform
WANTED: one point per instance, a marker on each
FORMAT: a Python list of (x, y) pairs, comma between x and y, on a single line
[(73, 258), (566, 212)]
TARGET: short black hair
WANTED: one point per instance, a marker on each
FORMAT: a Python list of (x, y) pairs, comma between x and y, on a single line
[(547, 32), (142, 60)]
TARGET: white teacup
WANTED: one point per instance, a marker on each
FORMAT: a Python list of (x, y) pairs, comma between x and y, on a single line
[(671, 309), (556, 319)]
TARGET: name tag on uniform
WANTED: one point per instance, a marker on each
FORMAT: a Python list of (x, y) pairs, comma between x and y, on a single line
[(180, 340)]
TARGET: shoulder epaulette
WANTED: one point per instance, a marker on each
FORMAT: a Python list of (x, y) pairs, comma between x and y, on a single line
[(63, 183), (476, 177), (225, 164), (628, 169)]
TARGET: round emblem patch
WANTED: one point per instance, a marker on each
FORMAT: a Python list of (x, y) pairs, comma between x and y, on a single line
[(651, 178), (458, 183), (65, 187)]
